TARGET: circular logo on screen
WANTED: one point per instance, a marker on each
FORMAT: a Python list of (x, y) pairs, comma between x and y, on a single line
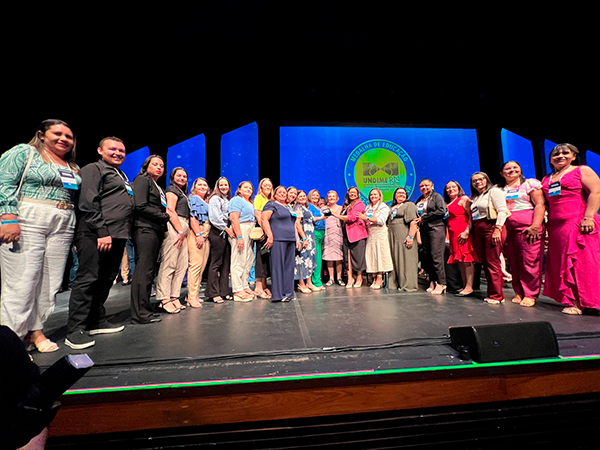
[(380, 164)]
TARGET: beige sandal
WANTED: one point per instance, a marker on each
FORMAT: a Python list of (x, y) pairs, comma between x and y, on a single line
[(573, 311), (527, 302), (46, 346)]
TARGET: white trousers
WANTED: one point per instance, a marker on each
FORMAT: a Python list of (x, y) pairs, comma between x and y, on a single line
[(33, 268), (173, 264), (241, 261)]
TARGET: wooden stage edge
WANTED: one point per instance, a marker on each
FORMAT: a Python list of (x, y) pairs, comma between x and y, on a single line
[(122, 409)]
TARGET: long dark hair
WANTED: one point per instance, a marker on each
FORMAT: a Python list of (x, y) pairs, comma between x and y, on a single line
[(146, 163), (217, 192), (172, 178), (193, 189), (347, 199), (489, 184), (573, 150), (461, 192), (238, 191), (502, 182), (394, 202), (37, 142)]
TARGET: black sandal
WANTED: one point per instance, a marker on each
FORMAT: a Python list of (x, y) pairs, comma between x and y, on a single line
[(161, 305)]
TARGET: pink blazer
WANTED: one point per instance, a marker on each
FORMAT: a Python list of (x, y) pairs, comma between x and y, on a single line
[(356, 228)]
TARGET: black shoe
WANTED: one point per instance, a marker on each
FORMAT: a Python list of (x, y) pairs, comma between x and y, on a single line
[(106, 328), (144, 322), (79, 340)]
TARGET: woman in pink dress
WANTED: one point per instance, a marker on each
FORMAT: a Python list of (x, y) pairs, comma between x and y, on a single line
[(459, 236), (573, 265), (355, 239), (524, 246)]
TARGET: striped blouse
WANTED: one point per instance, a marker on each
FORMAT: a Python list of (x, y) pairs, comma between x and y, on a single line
[(42, 181)]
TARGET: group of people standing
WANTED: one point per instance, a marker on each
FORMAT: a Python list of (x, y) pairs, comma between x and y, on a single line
[(516, 219), (285, 234)]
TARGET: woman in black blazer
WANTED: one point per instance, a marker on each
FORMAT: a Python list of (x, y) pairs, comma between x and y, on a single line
[(432, 210), (149, 226)]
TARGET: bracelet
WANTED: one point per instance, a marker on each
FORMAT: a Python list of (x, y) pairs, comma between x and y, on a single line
[(304, 239), (180, 232), (199, 234), (6, 222), (585, 218), (410, 237), (239, 237), (498, 227)]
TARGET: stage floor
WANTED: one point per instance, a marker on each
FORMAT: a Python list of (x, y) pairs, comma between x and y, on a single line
[(335, 331)]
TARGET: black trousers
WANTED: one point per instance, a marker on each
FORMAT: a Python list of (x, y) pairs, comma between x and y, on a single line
[(146, 243), (433, 237), (95, 276), (217, 280)]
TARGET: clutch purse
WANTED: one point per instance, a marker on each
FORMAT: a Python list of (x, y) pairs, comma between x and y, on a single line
[(256, 233)]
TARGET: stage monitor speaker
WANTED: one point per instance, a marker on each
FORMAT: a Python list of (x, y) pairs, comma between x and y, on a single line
[(505, 342)]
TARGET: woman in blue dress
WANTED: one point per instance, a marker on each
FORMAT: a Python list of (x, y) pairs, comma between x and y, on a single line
[(282, 240)]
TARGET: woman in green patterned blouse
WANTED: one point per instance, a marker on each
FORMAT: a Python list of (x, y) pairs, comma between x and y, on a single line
[(38, 186)]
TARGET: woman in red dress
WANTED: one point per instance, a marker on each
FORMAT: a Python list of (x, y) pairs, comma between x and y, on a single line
[(459, 237)]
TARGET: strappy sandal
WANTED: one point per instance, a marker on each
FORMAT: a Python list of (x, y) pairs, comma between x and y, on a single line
[(218, 300), (517, 299), (492, 301), (178, 303), (527, 302), (163, 305), (329, 283), (572, 310), (341, 283), (46, 346)]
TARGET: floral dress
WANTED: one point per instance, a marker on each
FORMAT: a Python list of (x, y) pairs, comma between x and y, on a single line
[(306, 259)]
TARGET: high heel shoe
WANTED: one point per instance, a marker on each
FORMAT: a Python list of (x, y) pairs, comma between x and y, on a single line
[(350, 284), (441, 290)]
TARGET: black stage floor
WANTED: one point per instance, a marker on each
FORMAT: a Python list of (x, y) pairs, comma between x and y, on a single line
[(336, 331)]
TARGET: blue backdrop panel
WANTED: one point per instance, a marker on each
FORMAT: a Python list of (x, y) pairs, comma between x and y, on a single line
[(517, 148), (189, 154), (239, 155), (334, 158)]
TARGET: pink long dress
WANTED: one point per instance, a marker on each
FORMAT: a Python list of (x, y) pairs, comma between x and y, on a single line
[(573, 263)]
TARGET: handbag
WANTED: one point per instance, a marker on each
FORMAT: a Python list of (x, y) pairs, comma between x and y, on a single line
[(256, 233), (492, 212)]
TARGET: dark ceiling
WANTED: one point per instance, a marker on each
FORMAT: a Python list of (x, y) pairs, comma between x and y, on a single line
[(159, 76)]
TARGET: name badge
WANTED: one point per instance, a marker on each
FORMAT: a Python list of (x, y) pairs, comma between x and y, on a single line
[(128, 187), (512, 194), (475, 212), (420, 208), (163, 199), (554, 189), (68, 179)]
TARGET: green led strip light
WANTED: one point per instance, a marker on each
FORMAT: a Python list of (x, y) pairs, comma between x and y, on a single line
[(321, 376)]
